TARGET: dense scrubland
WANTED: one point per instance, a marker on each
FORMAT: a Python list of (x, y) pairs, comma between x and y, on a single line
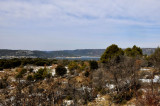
[(120, 77)]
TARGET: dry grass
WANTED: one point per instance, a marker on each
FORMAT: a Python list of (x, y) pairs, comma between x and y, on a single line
[(107, 102)]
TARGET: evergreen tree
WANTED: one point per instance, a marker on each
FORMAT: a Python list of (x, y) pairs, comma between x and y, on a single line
[(133, 52), (61, 70), (111, 52)]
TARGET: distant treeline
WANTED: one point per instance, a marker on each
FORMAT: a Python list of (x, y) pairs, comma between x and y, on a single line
[(12, 63), (17, 62)]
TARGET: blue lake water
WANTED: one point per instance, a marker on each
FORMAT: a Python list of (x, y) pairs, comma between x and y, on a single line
[(78, 58)]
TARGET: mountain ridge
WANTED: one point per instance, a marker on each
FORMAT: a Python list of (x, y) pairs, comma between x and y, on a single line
[(7, 53)]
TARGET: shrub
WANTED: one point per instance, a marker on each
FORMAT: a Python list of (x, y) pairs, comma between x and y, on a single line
[(83, 67), (3, 83), (102, 91), (23, 71), (1, 68), (93, 65), (49, 75), (61, 70), (69, 97), (73, 66), (149, 98), (31, 70), (41, 63), (40, 90), (86, 73), (41, 74), (19, 75), (122, 97), (30, 78), (155, 58)]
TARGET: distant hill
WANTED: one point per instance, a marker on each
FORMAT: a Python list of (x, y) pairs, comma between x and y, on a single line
[(86, 52), (32, 54), (4, 53)]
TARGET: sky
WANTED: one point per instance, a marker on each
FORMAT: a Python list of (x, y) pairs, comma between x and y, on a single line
[(78, 24)]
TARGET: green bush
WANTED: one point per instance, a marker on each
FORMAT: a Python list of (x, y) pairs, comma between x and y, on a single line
[(41, 74), (23, 71), (41, 63), (61, 70), (69, 97), (73, 66), (86, 73), (3, 83), (83, 67), (49, 75), (102, 91), (31, 70), (19, 75), (1, 68), (93, 65), (30, 78)]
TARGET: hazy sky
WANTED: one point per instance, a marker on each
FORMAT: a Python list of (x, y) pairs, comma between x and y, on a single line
[(78, 24)]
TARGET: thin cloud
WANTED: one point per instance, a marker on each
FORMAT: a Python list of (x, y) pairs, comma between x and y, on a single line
[(81, 10), (76, 24)]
